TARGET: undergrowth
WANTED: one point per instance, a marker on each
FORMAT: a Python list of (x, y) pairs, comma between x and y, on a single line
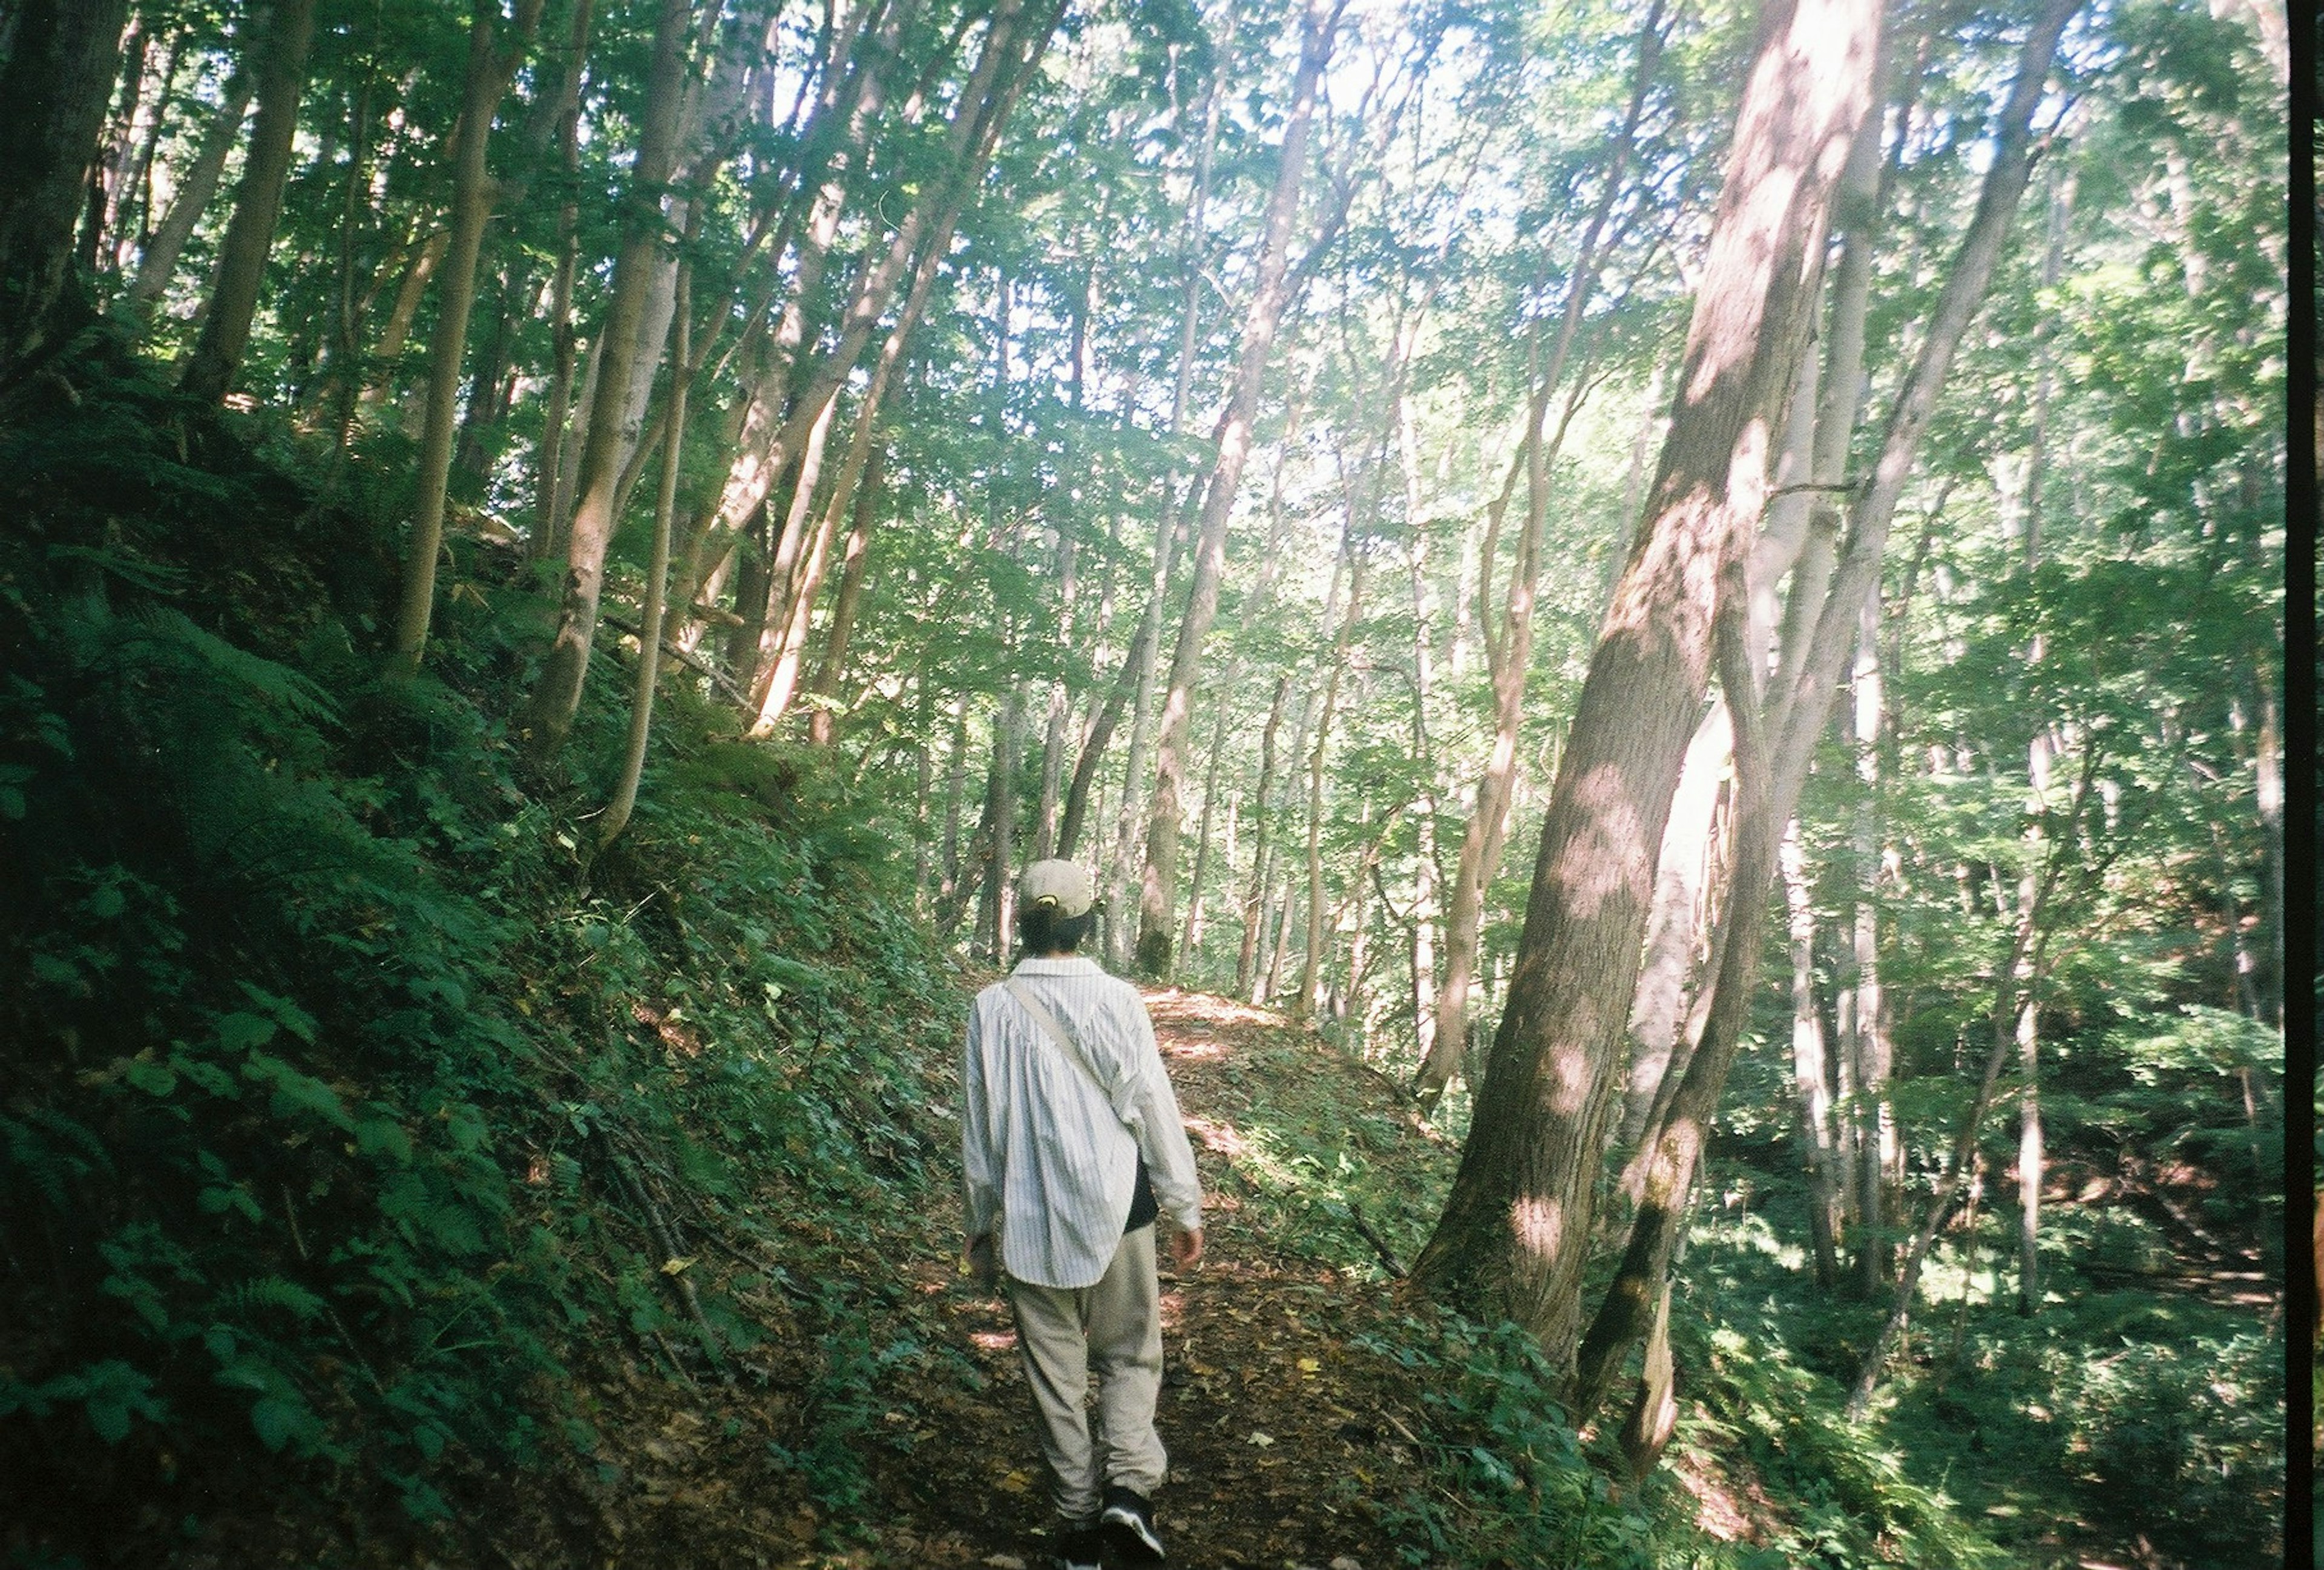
[(349, 1128)]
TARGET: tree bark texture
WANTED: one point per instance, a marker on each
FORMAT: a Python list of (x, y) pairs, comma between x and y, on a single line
[(54, 92), (1515, 1234), (1793, 721)]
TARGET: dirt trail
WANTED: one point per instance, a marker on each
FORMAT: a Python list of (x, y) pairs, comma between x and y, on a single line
[(1273, 1428)]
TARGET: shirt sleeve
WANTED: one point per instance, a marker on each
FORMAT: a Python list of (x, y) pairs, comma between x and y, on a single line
[(1162, 1136), (980, 1174)]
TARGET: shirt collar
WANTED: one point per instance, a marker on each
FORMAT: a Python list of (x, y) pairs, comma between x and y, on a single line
[(1068, 964)]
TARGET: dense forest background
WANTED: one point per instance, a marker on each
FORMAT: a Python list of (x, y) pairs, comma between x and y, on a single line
[(1679, 606)]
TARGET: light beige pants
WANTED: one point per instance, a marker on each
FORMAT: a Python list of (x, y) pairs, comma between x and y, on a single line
[(1114, 1330)]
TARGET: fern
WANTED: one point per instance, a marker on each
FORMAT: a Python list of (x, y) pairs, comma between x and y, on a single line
[(272, 1292)]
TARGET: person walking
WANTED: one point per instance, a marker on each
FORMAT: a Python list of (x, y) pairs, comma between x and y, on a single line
[(1071, 1146)]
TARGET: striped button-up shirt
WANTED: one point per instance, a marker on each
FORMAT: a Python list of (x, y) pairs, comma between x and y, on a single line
[(1050, 1156)]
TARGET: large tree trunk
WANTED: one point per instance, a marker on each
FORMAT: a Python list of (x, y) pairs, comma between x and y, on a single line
[(54, 91), (1157, 894), (1795, 718), (490, 66), (1515, 1231), (257, 204)]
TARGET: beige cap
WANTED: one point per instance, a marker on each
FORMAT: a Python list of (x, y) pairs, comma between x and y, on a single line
[(1062, 885)]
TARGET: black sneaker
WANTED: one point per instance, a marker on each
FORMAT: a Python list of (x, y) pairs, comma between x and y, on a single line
[(1081, 1548), (1128, 1519)]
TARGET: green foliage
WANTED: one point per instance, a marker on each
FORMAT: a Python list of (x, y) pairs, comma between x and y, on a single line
[(1508, 1482), (326, 1149), (2183, 1442)]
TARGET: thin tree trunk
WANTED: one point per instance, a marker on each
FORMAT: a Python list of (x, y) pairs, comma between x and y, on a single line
[(556, 693), (1514, 1235), (1254, 902), (1311, 974), (995, 921), (1865, 1030), (1193, 933), (490, 67), (1508, 654), (1010, 55), (1810, 1071), (1157, 895), (825, 689), (650, 616), (550, 496), (1144, 654), (257, 205), (158, 261), (110, 177), (956, 786), (136, 188)]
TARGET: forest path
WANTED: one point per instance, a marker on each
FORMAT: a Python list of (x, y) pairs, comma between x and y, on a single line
[(1273, 1428)]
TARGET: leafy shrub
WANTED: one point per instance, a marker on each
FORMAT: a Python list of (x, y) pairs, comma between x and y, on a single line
[(2183, 1443)]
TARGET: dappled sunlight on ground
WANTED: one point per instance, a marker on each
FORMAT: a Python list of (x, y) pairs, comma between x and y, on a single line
[(1278, 1427), (1221, 1137)]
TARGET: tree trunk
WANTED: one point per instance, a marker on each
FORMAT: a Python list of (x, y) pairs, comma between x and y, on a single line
[(54, 91), (257, 205), (1311, 974), (136, 188), (158, 261), (1157, 896), (825, 689), (556, 693), (110, 176), (995, 915), (1509, 654), (1795, 718), (1142, 667), (490, 66), (1193, 931), (1514, 1235), (956, 786), (651, 615), (1684, 868), (1254, 902), (1810, 1071), (1012, 53)]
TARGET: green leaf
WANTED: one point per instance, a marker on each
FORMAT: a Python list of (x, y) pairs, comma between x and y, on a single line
[(240, 1032), (280, 1419), (152, 1078)]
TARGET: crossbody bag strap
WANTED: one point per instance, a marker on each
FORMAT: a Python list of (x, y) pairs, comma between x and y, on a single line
[(1066, 1043)]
